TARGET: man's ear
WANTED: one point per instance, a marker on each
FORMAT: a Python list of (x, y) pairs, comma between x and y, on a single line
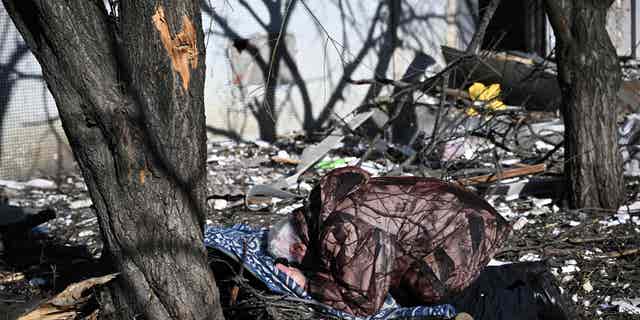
[(298, 250)]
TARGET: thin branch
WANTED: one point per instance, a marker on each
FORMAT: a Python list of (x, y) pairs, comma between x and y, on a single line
[(478, 36)]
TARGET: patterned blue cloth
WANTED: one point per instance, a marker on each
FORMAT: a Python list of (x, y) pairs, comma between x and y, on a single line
[(260, 264)]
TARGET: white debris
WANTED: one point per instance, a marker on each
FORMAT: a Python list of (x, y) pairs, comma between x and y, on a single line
[(588, 255), (79, 204), (539, 211), (463, 147), (305, 186), (12, 184), (219, 204), (85, 233), (287, 209), (81, 185), (530, 257), (626, 307), (283, 154), (258, 180), (372, 167), (87, 222), (574, 223), (520, 223), (226, 143), (262, 144), (623, 217), (503, 209), (41, 184), (496, 263), (587, 287), (539, 203), (216, 158), (56, 197), (510, 162), (543, 146), (513, 193), (574, 297), (570, 269), (633, 207)]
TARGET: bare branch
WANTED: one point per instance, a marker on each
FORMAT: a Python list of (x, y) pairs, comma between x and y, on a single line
[(478, 36)]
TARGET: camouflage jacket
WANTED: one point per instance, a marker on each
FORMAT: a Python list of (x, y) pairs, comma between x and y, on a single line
[(420, 239)]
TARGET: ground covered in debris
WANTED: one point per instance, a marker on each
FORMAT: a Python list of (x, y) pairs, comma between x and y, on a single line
[(594, 255)]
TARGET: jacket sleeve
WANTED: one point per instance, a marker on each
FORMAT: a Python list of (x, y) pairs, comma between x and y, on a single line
[(357, 262)]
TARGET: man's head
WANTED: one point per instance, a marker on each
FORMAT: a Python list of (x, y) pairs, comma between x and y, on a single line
[(285, 242)]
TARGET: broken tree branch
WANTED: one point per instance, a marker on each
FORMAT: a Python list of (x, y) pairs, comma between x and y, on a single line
[(478, 36)]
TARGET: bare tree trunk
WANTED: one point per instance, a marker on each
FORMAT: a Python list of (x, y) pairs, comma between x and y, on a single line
[(129, 90), (589, 76)]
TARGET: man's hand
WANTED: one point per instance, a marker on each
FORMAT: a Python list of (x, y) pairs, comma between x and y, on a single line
[(294, 274)]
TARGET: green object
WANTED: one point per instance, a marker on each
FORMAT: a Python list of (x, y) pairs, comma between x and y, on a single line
[(331, 164)]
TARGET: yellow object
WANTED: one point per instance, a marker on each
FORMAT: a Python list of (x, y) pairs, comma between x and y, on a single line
[(488, 95), (479, 92), (496, 105)]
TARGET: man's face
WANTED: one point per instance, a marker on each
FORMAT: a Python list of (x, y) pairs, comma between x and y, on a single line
[(284, 242)]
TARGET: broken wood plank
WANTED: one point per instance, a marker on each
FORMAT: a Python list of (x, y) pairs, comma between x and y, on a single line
[(619, 254), (66, 304), (282, 160), (509, 173)]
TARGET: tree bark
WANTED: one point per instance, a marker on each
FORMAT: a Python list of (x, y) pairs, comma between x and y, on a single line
[(589, 76), (129, 90)]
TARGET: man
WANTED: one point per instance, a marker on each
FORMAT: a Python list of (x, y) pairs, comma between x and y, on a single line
[(360, 238)]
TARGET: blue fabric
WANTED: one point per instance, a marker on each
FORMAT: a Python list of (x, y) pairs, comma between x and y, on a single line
[(260, 264)]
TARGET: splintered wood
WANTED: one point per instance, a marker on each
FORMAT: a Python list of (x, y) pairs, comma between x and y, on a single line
[(509, 173), (182, 49)]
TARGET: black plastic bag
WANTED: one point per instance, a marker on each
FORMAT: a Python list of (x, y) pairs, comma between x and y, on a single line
[(524, 291)]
